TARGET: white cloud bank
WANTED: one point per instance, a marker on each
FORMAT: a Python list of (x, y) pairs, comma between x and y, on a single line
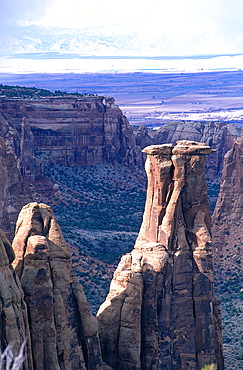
[(172, 27)]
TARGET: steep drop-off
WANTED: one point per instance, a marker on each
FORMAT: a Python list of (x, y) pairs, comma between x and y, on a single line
[(161, 311)]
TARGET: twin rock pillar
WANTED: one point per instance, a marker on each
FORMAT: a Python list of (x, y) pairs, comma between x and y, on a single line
[(161, 311)]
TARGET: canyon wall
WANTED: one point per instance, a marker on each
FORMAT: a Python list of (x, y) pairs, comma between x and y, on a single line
[(219, 135), (68, 130), (12, 192), (82, 130), (161, 311), (228, 214)]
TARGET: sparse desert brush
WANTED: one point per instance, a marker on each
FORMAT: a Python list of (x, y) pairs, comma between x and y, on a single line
[(8, 361)]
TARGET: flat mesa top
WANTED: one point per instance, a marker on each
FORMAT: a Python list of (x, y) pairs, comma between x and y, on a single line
[(182, 147)]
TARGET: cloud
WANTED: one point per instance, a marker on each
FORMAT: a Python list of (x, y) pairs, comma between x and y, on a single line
[(184, 24), (177, 27), (16, 12)]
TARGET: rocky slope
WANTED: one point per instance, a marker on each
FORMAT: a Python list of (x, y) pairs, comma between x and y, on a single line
[(63, 331), (219, 135), (161, 311)]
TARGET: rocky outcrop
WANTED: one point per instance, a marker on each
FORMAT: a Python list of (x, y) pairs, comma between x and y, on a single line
[(73, 130), (228, 214), (14, 326), (219, 135), (161, 311), (63, 331)]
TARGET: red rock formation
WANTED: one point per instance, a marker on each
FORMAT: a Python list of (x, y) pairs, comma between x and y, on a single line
[(85, 130), (228, 214), (63, 331), (14, 328), (161, 311)]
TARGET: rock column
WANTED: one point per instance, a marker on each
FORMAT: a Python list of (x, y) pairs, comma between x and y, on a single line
[(63, 330), (161, 311)]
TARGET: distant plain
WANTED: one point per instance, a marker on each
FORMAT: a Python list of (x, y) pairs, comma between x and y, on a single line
[(153, 98)]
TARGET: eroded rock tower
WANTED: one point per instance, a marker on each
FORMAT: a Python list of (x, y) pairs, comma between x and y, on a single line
[(161, 311)]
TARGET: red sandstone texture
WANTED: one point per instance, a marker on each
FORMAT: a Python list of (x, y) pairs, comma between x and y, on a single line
[(161, 311)]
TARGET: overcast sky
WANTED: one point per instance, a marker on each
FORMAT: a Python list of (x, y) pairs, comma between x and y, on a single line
[(189, 26)]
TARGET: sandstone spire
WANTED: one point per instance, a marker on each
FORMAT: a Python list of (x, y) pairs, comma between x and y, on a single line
[(161, 311), (63, 331)]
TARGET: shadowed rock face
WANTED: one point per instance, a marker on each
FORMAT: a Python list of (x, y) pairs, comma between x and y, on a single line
[(228, 213), (63, 331), (161, 311), (14, 326)]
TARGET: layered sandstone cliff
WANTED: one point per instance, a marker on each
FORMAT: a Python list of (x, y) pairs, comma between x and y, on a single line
[(161, 311), (83, 130), (219, 135), (228, 214), (63, 331)]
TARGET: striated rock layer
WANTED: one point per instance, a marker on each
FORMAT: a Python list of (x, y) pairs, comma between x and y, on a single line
[(63, 331), (161, 311), (228, 214), (71, 130)]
